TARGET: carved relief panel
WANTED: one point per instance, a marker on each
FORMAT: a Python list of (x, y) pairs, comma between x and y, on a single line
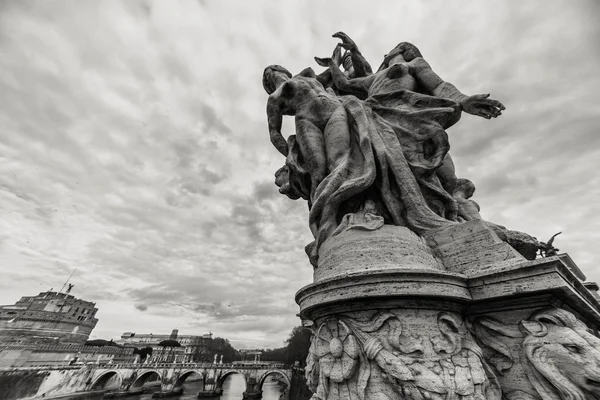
[(398, 354), (550, 355)]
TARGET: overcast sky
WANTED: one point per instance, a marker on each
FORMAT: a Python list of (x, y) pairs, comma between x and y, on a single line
[(134, 144)]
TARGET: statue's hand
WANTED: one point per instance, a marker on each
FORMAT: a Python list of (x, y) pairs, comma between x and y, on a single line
[(336, 58), (347, 43), (482, 106), (324, 62)]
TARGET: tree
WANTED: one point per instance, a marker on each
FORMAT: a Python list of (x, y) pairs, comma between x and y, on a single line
[(206, 348), (278, 355), (101, 343), (296, 348), (171, 344), (297, 345), (144, 353), (201, 350)]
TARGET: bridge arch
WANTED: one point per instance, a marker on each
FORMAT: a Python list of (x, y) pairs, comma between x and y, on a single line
[(141, 380), (186, 374), (226, 375), (285, 376), (101, 381)]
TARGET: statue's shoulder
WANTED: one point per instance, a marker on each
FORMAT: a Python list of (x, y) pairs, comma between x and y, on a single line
[(307, 72), (419, 63)]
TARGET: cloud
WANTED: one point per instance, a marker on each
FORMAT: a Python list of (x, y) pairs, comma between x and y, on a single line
[(135, 149)]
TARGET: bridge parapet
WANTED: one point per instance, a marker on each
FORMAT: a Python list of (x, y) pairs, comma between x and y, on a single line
[(189, 366), (44, 367), (126, 378)]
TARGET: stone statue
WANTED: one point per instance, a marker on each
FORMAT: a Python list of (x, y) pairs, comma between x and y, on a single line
[(446, 171), (379, 156), (354, 63), (468, 209), (414, 295), (547, 249)]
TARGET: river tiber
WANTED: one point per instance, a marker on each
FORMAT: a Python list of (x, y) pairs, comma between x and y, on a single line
[(299, 201)]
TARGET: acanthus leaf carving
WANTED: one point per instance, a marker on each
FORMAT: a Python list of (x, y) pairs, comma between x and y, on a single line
[(489, 331), (364, 374), (426, 379)]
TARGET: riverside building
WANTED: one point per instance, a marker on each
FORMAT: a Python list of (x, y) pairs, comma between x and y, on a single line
[(47, 318)]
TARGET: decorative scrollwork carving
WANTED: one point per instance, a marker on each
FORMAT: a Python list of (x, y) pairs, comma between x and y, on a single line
[(357, 359)]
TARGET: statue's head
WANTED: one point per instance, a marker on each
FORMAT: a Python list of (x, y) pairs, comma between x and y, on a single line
[(565, 357), (407, 50), (464, 186), (274, 76)]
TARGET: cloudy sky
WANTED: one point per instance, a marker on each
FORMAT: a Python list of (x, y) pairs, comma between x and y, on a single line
[(134, 146)]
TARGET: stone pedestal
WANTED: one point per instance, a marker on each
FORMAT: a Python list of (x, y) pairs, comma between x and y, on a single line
[(451, 315), (537, 324)]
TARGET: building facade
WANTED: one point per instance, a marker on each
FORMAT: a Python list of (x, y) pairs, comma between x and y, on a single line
[(251, 355), (189, 345), (14, 355), (50, 318)]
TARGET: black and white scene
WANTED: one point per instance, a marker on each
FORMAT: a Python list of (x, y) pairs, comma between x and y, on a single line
[(299, 200)]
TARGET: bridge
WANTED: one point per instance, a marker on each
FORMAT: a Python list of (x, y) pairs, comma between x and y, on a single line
[(117, 380)]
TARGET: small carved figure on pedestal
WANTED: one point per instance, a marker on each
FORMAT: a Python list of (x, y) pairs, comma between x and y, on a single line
[(547, 249)]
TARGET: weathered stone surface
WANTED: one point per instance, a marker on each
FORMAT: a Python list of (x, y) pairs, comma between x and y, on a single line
[(357, 249), (468, 210), (383, 152), (129, 379), (402, 256), (548, 354), (391, 283), (397, 354), (593, 289), (537, 323), (516, 286), (507, 290), (471, 247)]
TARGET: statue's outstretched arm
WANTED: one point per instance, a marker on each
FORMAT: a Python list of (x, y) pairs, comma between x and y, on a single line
[(434, 84), (275, 118), (478, 104), (356, 86), (360, 64)]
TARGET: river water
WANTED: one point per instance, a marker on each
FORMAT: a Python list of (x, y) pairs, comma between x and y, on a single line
[(233, 388)]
